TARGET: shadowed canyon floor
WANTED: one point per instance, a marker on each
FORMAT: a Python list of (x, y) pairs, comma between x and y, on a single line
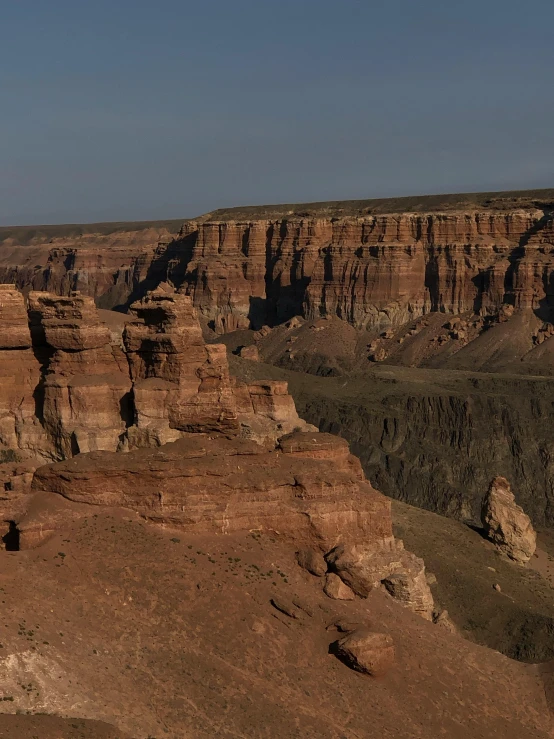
[(435, 438)]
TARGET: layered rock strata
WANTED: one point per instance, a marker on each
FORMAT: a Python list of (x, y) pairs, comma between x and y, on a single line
[(72, 384), (20, 373), (105, 266), (310, 490), (222, 485), (85, 385), (238, 456), (373, 270), (181, 384)]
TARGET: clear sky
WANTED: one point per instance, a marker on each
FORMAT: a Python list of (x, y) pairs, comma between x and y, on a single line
[(143, 109)]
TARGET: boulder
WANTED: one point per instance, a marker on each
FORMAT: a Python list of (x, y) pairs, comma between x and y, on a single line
[(250, 352), (312, 561), (506, 524), (366, 651), (364, 567), (335, 588)]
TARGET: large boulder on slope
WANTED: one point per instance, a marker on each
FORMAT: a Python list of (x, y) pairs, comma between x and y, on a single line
[(506, 523)]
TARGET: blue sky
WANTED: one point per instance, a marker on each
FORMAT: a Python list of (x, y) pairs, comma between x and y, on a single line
[(127, 110)]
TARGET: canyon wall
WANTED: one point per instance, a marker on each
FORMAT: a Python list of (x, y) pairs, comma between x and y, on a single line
[(73, 384), (372, 271), (107, 267)]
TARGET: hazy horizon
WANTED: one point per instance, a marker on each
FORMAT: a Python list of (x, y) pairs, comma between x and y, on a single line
[(134, 111)]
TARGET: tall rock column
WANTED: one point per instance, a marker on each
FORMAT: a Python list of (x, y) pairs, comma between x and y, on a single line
[(85, 386), (21, 433), (506, 524), (180, 384)]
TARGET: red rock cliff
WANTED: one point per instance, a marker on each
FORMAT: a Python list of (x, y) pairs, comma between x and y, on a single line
[(371, 271), (379, 270)]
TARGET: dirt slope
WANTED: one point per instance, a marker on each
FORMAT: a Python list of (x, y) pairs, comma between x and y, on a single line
[(164, 635)]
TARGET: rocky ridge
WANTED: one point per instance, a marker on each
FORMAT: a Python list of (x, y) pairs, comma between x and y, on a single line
[(148, 423), (73, 385), (153, 423), (373, 270)]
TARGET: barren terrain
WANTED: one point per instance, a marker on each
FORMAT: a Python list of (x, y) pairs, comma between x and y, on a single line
[(159, 488), (164, 634)]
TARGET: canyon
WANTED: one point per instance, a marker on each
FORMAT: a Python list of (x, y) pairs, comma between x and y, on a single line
[(373, 270), (192, 547)]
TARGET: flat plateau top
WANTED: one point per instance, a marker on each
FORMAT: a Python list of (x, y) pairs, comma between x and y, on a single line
[(493, 201)]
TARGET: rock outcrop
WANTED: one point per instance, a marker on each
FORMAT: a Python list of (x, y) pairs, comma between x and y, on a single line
[(506, 524), (179, 382), (73, 384), (221, 485), (310, 491), (228, 455), (85, 386), (21, 433), (105, 264), (371, 270), (364, 567)]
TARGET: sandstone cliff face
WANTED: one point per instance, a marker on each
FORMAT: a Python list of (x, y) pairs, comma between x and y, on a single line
[(372, 271), (179, 382), (241, 458), (20, 428), (73, 384), (201, 484), (85, 380), (106, 267)]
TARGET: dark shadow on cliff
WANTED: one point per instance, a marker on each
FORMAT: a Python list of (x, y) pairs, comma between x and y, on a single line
[(482, 283), (283, 301), (257, 315), (169, 264), (544, 311), (43, 354), (432, 282)]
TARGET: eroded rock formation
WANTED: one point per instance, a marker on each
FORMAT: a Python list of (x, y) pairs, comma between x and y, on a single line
[(85, 386), (228, 455), (506, 523), (371, 270), (20, 373), (72, 384), (221, 485), (401, 573)]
